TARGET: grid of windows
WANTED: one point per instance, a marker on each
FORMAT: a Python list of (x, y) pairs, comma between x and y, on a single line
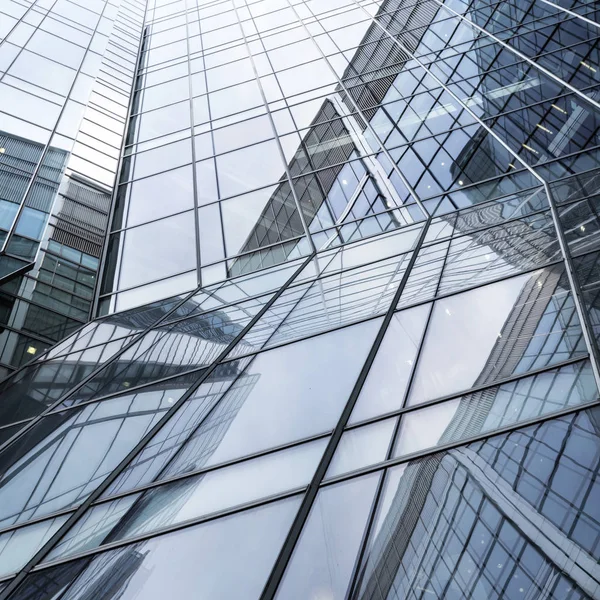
[(66, 72), (353, 294)]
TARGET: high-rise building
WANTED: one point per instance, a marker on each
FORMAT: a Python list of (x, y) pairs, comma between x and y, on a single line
[(66, 72), (342, 262)]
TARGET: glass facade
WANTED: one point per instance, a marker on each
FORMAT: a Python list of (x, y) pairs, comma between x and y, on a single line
[(66, 73), (346, 343)]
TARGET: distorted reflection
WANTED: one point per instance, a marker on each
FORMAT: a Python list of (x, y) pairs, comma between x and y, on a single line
[(513, 516)]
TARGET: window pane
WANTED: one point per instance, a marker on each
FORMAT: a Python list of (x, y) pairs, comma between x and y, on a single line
[(496, 407), (193, 497), (362, 447), (496, 331), (158, 250), (284, 395), (201, 561), (324, 556), (388, 378)]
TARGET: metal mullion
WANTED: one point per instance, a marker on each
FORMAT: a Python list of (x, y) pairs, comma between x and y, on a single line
[(309, 499), (366, 534), (421, 345), (124, 463), (391, 444), (250, 252), (309, 286), (123, 229), (141, 285), (48, 517), (24, 44), (192, 142), (334, 231), (20, 19), (483, 228), (20, 422)]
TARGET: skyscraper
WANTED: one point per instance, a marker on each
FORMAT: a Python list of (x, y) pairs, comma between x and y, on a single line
[(343, 261)]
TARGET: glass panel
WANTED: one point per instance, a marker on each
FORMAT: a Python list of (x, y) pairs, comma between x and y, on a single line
[(499, 252), (203, 560), (324, 556), (168, 440), (182, 346), (343, 298), (496, 407), (193, 497), (158, 250), (284, 395), (44, 472), (388, 378), (496, 331), (362, 447), (20, 545), (516, 512)]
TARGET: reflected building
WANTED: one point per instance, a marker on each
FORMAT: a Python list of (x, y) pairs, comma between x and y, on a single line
[(462, 524)]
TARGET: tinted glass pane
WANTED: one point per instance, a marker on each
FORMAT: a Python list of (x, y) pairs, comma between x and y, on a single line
[(509, 512), (496, 331), (193, 497), (284, 395), (326, 551), (200, 560)]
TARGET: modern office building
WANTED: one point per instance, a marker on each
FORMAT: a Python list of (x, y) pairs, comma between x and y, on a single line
[(66, 71), (342, 260)]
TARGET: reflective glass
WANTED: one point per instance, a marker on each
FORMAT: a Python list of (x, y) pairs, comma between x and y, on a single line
[(191, 498), (343, 298), (199, 560), (184, 345), (43, 470), (496, 331), (324, 556), (496, 407), (20, 545), (362, 447), (158, 250), (506, 513), (284, 395), (388, 378)]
